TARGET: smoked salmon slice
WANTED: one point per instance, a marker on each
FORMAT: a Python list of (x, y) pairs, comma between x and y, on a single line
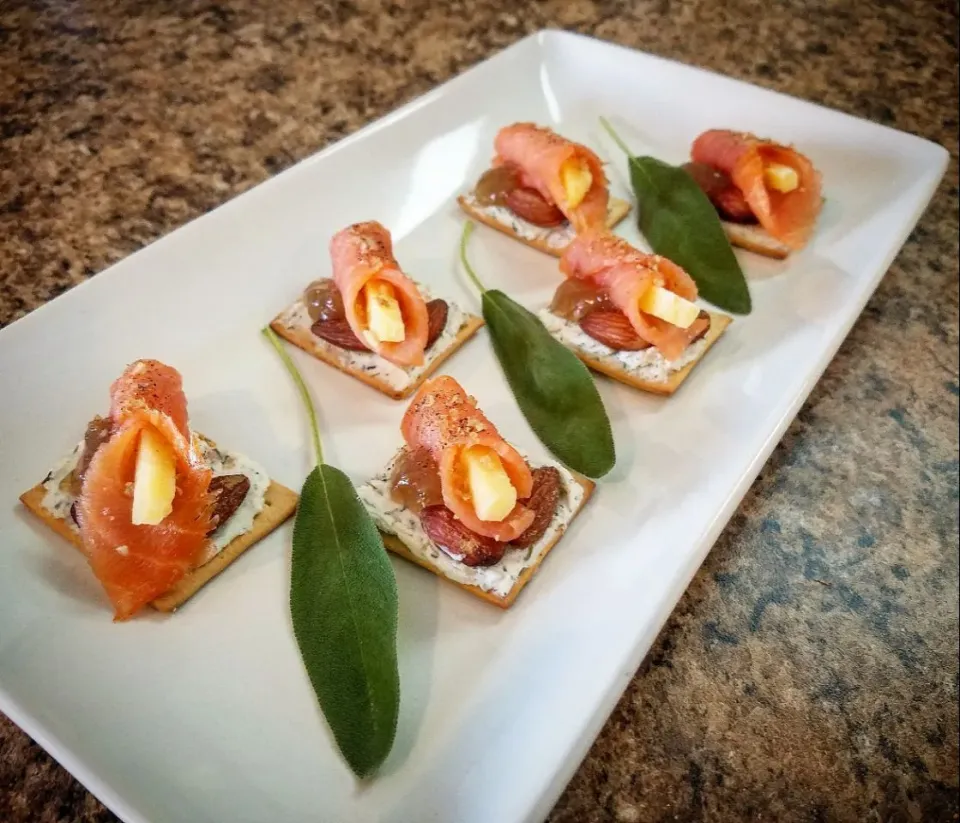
[(138, 563), (788, 216), (540, 154), (362, 254), (625, 273), (445, 421)]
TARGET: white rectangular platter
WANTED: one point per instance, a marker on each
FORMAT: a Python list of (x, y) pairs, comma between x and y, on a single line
[(207, 715)]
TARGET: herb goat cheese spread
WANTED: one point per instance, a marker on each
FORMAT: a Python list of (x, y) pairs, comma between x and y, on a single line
[(500, 578), (646, 364), (59, 497), (556, 237), (296, 316)]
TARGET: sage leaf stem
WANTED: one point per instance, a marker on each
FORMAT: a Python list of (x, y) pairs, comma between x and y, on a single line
[(302, 388)]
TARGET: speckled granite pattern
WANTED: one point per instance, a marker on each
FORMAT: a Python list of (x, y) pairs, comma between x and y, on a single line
[(811, 671)]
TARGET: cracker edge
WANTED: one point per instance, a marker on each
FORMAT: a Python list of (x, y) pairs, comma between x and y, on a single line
[(398, 547), (756, 239), (718, 325), (307, 341), (278, 505), (619, 209)]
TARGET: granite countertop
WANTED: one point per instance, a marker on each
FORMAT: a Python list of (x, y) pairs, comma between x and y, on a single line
[(811, 670)]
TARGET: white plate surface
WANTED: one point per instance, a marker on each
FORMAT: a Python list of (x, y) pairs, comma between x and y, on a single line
[(208, 715)]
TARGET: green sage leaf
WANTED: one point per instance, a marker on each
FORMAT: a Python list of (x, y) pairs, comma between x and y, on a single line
[(680, 223), (344, 606), (343, 601), (554, 390)]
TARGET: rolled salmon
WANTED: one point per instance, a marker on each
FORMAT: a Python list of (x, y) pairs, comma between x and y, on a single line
[(625, 274), (138, 563), (540, 155), (789, 216), (445, 421), (362, 256)]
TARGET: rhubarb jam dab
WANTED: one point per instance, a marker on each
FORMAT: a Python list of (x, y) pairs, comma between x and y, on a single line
[(370, 319), (461, 501), (629, 314), (768, 194), (542, 189)]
